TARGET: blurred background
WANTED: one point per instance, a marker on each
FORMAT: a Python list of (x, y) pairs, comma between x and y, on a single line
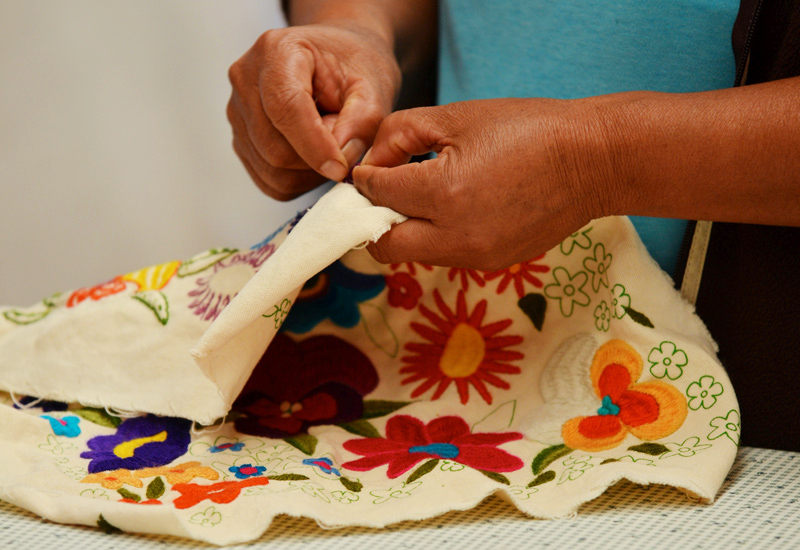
[(115, 152)]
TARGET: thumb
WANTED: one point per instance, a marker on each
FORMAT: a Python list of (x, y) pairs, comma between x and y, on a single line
[(404, 134), (356, 125)]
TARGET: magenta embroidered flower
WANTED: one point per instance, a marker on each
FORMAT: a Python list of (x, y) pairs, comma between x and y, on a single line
[(409, 441), (141, 442), (215, 290), (321, 380)]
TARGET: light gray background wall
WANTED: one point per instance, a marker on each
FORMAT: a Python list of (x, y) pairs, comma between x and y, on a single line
[(115, 152)]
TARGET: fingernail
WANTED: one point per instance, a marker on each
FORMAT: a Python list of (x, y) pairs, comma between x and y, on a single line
[(365, 160), (333, 170), (353, 150)]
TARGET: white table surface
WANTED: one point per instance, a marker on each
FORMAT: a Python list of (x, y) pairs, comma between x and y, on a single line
[(758, 507)]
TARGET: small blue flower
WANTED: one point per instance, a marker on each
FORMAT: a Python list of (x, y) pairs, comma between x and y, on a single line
[(227, 447), (324, 464), (608, 407), (247, 470), (67, 426)]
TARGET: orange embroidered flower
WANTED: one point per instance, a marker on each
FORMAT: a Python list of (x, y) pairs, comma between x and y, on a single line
[(97, 292), (114, 479), (221, 493), (648, 410), (182, 473)]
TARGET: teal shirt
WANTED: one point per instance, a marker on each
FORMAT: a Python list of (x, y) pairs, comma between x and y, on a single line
[(580, 48)]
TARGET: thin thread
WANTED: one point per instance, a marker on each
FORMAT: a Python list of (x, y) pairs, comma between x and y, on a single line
[(27, 406), (121, 414)]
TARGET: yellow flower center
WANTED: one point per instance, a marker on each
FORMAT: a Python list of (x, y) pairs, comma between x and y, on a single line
[(514, 269), (127, 448), (463, 353)]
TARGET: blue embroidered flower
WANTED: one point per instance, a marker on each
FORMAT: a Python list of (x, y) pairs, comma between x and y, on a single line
[(141, 442), (324, 464), (67, 426), (247, 470), (332, 294), (227, 447)]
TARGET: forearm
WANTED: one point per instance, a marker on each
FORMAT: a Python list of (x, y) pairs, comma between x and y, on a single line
[(723, 155)]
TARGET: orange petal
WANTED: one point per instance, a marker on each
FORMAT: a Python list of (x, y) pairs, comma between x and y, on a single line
[(573, 437), (619, 353), (672, 411)]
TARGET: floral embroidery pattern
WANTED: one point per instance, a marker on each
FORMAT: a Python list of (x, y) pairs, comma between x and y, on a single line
[(688, 448), (621, 301), (568, 290), (333, 294), (704, 393), (647, 410), (460, 350), (667, 361), (598, 267), (324, 464), (220, 493), (141, 442), (215, 290), (409, 441), (182, 473), (238, 446), (404, 290), (66, 426), (411, 266), (602, 317), (98, 292), (580, 239), (520, 274), (321, 380), (246, 471), (729, 425), (114, 479), (465, 275)]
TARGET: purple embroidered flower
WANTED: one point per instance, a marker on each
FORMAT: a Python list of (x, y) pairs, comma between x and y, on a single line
[(247, 470), (215, 290), (67, 426), (29, 402), (324, 464), (321, 380), (227, 447), (141, 442)]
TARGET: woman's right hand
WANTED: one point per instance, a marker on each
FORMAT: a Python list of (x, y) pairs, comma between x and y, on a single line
[(307, 102)]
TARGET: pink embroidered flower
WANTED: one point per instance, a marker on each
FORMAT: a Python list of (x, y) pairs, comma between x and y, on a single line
[(520, 274), (215, 290), (408, 441), (404, 290)]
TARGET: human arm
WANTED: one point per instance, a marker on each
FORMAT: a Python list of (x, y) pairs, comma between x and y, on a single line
[(307, 100), (513, 177)]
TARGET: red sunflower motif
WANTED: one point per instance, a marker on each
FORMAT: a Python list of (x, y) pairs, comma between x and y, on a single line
[(520, 274), (461, 349), (465, 275)]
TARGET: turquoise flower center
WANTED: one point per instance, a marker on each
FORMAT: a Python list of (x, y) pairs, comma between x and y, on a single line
[(608, 408), (442, 450)]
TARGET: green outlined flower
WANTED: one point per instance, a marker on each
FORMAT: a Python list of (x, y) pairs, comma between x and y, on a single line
[(728, 425), (344, 497), (279, 312), (667, 360), (688, 448), (580, 239), (703, 393), (403, 490), (207, 518), (639, 461), (598, 266), (568, 290), (602, 316), (621, 301), (522, 492), (576, 466)]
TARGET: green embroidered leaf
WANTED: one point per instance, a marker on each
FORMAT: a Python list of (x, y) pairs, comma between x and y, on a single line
[(609, 461), (53, 300), (360, 427), (304, 443), (544, 477), (203, 261), (157, 302), (500, 478), (124, 493), (98, 416), (544, 458), (378, 329), (155, 489), (352, 485), (106, 527), (422, 470), (653, 449), (534, 306), (288, 477), (640, 318), (19, 317), (376, 407)]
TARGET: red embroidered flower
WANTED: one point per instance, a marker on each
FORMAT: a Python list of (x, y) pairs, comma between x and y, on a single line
[(221, 493), (404, 290), (648, 410), (98, 292), (465, 275), (411, 268), (462, 350), (520, 274), (409, 441)]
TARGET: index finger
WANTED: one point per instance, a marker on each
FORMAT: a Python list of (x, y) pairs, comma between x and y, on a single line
[(287, 97)]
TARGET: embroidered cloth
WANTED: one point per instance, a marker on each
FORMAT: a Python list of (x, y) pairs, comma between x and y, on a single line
[(356, 393)]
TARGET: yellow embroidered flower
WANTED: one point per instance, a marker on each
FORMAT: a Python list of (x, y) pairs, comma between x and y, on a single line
[(114, 479), (154, 277), (648, 410), (182, 473)]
